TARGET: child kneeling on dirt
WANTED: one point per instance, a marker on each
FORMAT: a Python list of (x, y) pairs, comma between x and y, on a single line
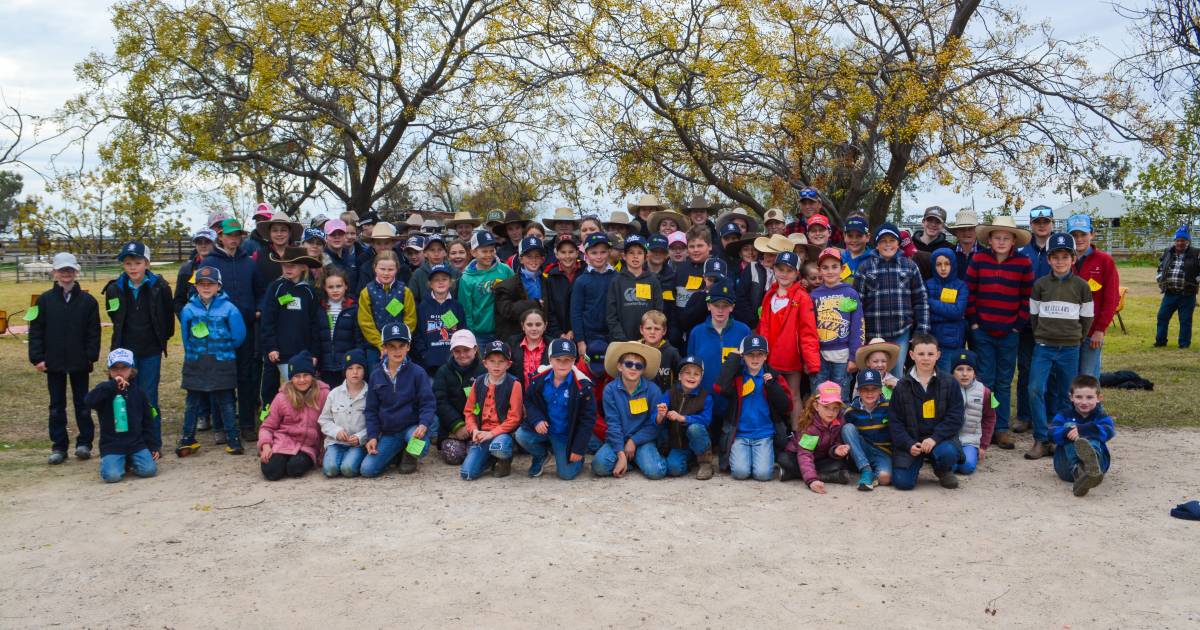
[(493, 411), (689, 412), (925, 416), (560, 411), (630, 412), (450, 385), (866, 431), (127, 429), (343, 419), (289, 440), (401, 408), (1081, 432), (760, 407), (979, 411), (816, 451)]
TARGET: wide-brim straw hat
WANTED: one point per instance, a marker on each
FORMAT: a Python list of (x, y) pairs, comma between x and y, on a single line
[(877, 345), (510, 218), (656, 220), (733, 251), (618, 218), (645, 201), (774, 244), (263, 227), (1003, 224), (964, 219), (296, 255), (621, 348), (728, 217), (463, 218), (799, 240), (414, 220), (383, 231), (561, 215)]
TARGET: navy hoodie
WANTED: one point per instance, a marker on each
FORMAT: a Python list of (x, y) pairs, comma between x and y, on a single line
[(947, 303), (141, 433), (296, 324), (394, 406), (239, 279), (589, 297), (431, 339)]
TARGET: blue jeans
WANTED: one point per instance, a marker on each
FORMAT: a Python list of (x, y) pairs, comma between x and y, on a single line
[(198, 404), (864, 453), (1050, 375), (390, 445), (1024, 359), (343, 459), (1065, 459), (483, 454), (1185, 305), (112, 467), (997, 362), (647, 458), (837, 373), (900, 340), (536, 444), (1089, 359), (677, 458), (944, 458), (946, 357), (752, 457), (149, 368), (970, 460)]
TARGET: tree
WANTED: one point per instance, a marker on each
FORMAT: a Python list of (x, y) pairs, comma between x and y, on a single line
[(1167, 191), (1166, 39), (10, 188), (1108, 172)]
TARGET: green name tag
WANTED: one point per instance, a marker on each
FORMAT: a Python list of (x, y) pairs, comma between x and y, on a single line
[(449, 319), (114, 304), (200, 330), (467, 393), (849, 305), (286, 299), (31, 314), (808, 442), (394, 307), (995, 403), (415, 447), (476, 410)]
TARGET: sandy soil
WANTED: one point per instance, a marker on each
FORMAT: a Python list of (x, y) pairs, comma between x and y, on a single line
[(432, 551)]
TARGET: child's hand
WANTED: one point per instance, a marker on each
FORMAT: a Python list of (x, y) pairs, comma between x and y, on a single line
[(817, 486), (479, 436), (273, 356), (915, 449), (264, 452), (575, 457), (156, 455), (420, 432), (927, 445), (371, 446), (1073, 434), (342, 436), (767, 377), (662, 413), (841, 450), (621, 465), (851, 367), (630, 449), (122, 384), (890, 379), (353, 440), (542, 427), (582, 348), (41, 366)]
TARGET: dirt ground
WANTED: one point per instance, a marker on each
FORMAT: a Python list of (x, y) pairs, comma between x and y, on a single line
[(433, 551)]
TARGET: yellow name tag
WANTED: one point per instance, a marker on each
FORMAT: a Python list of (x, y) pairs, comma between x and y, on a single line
[(928, 410), (949, 295), (642, 291), (1094, 286), (192, 280), (846, 271), (725, 352), (668, 295), (748, 387), (638, 405), (693, 283)]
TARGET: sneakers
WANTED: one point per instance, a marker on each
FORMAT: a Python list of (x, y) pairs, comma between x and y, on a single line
[(503, 467), (1004, 440), (1020, 426), (1038, 451), (57, 457), (187, 446), (535, 466), (235, 449), (408, 464), (866, 480), (1088, 474), (83, 451), (948, 480), (203, 423), (704, 467), (219, 437)]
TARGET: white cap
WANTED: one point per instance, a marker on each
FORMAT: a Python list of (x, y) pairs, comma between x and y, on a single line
[(65, 260), (120, 355), (463, 339)]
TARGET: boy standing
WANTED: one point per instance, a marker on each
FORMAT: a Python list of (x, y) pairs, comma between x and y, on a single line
[(476, 284), (493, 411), (560, 411), (925, 417), (1082, 433), (1061, 313), (439, 317), (893, 295), (759, 411), (1100, 272), (400, 409), (588, 296), (64, 342), (713, 341), (634, 292)]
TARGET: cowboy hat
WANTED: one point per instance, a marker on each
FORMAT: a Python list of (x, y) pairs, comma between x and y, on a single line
[(510, 218), (775, 244), (263, 227), (618, 218), (561, 215), (430, 225), (414, 220), (877, 344), (727, 218), (645, 201), (964, 219), (799, 240), (733, 251), (774, 214), (1003, 224), (620, 348), (296, 255), (461, 218), (383, 231), (656, 219), (697, 202)]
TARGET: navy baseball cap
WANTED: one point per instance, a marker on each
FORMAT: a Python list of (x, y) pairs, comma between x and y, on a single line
[(658, 242), (563, 348), (1058, 241), (440, 268), (497, 347), (134, 248), (788, 259), (870, 378), (416, 242), (730, 229), (434, 238), (721, 291), (964, 357), (809, 193), (532, 244), (691, 359), (311, 234), (857, 224), (597, 238), (887, 229), (354, 357), (565, 240), (396, 332), (481, 238), (753, 343), (636, 240), (715, 267), (207, 274)]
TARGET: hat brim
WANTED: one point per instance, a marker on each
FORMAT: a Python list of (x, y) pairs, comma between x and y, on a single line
[(1022, 237), (728, 217), (620, 348), (734, 249), (501, 229), (307, 261), (633, 207), (656, 220), (892, 350), (263, 229), (552, 224)]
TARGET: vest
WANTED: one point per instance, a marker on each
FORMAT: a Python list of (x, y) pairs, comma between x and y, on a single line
[(503, 392), (687, 406), (973, 402), (379, 301)]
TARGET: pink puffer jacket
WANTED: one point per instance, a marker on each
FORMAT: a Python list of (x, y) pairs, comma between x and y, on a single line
[(290, 431)]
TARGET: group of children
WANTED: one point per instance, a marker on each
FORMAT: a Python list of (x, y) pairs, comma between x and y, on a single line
[(580, 358)]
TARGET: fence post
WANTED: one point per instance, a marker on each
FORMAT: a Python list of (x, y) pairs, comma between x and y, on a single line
[(17, 267)]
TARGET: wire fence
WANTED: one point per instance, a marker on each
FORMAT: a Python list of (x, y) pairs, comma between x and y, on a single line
[(22, 268)]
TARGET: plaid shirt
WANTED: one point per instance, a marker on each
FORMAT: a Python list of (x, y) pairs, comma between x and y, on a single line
[(893, 296)]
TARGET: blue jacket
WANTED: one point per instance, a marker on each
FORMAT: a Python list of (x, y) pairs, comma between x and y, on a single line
[(348, 262), (288, 329), (589, 297), (1039, 257), (210, 360), (872, 425), (344, 336), (239, 278), (853, 262), (1096, 426), (581, 408), (622, 423), (712, 347), (431, 339), (395, 406), (947, 318)]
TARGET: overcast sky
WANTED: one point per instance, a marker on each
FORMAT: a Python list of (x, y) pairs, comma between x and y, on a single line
[(42, 40)]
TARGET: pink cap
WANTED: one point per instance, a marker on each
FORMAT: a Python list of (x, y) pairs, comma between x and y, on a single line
[(829, 393), (334, 225), (263, 210), (830, 252), (818, 219), (676, 237), (463, 339)]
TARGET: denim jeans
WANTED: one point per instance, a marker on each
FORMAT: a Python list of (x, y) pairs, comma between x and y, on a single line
[(677, 458), (752, 457), (901, 340), (946, 357), (60, 439), (1089, 359), (1024, 359), (248, 372), (149, 369), (482, 455), (837, 373), (112, 466), (647, 458), (970, 460), (198, 404), (864, 453), (536, 444), (944, 458), (1185, 305), (1065, 459), (1050, 375), (342, 459), (389, 446), (997, 362)]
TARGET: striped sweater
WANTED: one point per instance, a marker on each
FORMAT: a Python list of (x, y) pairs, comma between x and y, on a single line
[(872, 425), (998, 292), (1061, 310)]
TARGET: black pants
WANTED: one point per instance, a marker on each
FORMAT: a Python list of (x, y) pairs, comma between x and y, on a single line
[(291, 465), (57, 383), (248, 373), (825, 467)]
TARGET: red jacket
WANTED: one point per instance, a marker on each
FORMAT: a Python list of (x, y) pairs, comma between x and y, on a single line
[(792, 332), (1100, 272)]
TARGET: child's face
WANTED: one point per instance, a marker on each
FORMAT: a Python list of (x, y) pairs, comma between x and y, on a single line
[(1042, 227), (965, 237), (747, 253), (120, 371), (869, 395), (485, 256), (925, 356), (314, 248), (65, 276), (203, 247), (743, 226), (677, 252), (533, 261), (965, 375), (720, 311), (563, 228), (657, 257), (635, 257), (831, 271), (458, 256), (597, 256), (829, 412), (729, 238), (135, 267), (768, 260), (280, 235), (335, 288), (567, 255), (292, 271), (463, 356), (786, 275), (1060, 261), (776, 227), (629, 368), (496, 364), (514, 232), (812, 276), (337, 240), (562, 365), (942, 266), (698, 217), (698, 250), (877, 361), (355, 374), (855, 241), (887, 246), (652, 332), (755, 361), (586, 229), (440, 284), (667, 226), (415, 258), (385, 272), (1085, 399), (690, 377), (302, 381), (381, 245), (1001, 242), (206, 290), (396, 351), (435, 254), (464, 231), (534, 327), (818, 235)]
